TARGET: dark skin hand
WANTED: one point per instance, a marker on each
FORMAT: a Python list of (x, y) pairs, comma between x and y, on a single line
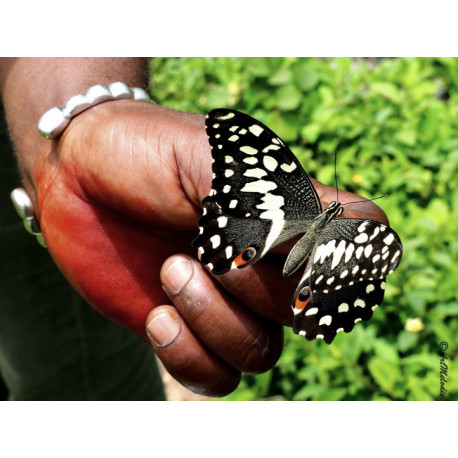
[(118, 197), (126, 197)]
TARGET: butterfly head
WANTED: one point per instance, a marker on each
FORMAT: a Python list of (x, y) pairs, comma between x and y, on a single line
[(335, 209)]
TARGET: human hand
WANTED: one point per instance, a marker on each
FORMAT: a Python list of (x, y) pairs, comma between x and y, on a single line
[(118, 199)]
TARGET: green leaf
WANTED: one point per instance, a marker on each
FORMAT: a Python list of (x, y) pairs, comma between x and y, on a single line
[(388, 90), (281, 77), (385, 373), (331, 394), (407, 340), (417, 393), (288, 97), (407, 137), (306, 76), (386, 351)]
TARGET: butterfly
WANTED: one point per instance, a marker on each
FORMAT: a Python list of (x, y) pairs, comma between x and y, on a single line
[(261, 197)]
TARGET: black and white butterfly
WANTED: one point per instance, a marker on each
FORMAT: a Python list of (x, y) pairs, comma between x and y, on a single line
[(261, 197)]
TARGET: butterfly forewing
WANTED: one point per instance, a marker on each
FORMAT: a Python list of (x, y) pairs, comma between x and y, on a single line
[(260, 195)]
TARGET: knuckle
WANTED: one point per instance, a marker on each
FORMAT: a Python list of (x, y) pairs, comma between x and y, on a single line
[(260, 353)]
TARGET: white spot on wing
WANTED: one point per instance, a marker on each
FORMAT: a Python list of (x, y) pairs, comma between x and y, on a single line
[(232, 203), (368, 250), (250, 160), (288, 168), (256, 130), (312, 311), (344, 273), (271, 202), (323, 251), (359, 303), (361, 238), (370, 288), (255, 173), (248, 150), (260, 186), (226, 189), (215, 240), (389, 239), (228, 251), (270, 148), (337, 254), (327, 319), (376, 231), (225, 117), (270, 163), (343, 308), (349, 252), (359, 251), (228, 173), (362, 226), (233, 138), (222, 221)]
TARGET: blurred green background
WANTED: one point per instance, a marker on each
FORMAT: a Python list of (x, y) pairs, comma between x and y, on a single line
[(394, 125)]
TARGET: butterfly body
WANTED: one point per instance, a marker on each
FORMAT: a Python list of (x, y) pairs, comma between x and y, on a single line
[(260, 198)]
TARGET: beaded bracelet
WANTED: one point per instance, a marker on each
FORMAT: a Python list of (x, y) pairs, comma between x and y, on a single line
[(53, 123), (24, 208), (55, 120)]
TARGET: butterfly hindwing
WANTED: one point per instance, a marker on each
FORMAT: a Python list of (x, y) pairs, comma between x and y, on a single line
[(260, 196), (326, 314), (350, 250), (345, 276)]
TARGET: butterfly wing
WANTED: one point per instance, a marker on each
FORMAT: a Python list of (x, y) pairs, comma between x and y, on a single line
[(260, 196), (345, 276), (327, 314)]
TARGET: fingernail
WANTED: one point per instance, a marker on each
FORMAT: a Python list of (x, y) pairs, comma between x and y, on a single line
[(177, 275), (163, 329)]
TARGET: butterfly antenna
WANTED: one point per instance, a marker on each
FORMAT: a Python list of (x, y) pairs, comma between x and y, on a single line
[(366, 200), (335, 175)]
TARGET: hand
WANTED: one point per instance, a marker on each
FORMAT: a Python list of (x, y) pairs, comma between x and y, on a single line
[(118, 199)]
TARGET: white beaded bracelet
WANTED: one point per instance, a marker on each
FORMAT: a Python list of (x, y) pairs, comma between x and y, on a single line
[(24, 208), (55, 120)]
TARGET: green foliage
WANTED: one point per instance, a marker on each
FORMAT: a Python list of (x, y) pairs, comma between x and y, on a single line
[(395, 129)]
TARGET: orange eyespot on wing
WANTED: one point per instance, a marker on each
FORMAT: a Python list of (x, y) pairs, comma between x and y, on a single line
[(302, 299), (245, 257)]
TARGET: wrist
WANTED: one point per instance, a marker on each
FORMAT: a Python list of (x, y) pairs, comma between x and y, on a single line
[(54, 82)]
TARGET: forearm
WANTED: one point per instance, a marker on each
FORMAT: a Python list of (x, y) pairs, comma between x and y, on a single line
[(30, 86)]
